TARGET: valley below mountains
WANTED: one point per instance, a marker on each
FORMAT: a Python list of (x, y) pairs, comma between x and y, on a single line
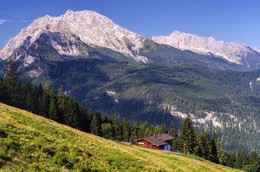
[(160, 94), (159, 80)]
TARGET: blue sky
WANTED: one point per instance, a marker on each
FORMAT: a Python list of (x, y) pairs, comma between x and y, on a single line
[(228, 20)]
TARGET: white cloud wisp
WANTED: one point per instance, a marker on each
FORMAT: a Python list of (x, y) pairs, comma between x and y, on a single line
[(2, 21)]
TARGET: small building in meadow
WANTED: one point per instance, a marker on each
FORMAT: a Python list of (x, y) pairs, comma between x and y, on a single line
[(159, 141)]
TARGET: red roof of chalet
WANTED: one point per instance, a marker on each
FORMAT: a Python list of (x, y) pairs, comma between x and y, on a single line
[(159, 139)]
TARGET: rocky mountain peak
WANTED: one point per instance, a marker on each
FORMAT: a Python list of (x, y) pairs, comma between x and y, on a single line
[(232, 51), (90, 27)]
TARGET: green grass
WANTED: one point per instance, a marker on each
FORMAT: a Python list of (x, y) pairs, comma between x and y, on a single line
[(32, 143)]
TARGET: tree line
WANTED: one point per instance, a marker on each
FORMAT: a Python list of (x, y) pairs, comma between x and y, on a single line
[(207, 145), (57, 106)]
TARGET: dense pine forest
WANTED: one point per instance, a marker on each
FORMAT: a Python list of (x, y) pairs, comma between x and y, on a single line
[(55, 105)]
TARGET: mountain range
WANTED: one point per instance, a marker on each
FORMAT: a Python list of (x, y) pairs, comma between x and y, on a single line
[(87, 34), (163, 79), (231, 51)]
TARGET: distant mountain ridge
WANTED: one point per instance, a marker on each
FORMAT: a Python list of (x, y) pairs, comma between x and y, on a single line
[(87, 34), (232, 51)]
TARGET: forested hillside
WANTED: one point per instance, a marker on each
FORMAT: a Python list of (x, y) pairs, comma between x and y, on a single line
[(225, 100), (57, 106)]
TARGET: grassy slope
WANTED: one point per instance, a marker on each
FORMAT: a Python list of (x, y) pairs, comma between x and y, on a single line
[(32, 143)]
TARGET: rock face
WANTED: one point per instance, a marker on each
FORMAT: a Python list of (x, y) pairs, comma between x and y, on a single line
[(68, 34), (231, 51)]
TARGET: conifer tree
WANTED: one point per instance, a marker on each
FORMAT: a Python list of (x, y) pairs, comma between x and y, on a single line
[(148, 130), (4, 97), (188, 135), (12, 84), (214, 151), (125, 130), (156, 129), (241, 159), (117, 128), (200, 145), (53, 110), (71, 113), (40, 90), (173, 133), (31, 99), (229, 159), (11, 74), (220, 150), (134, 132), (95, 126), (107, 130), (61, 99), (206, 146), (163, 129), (253, 157), (84, 119), (44, 103)]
